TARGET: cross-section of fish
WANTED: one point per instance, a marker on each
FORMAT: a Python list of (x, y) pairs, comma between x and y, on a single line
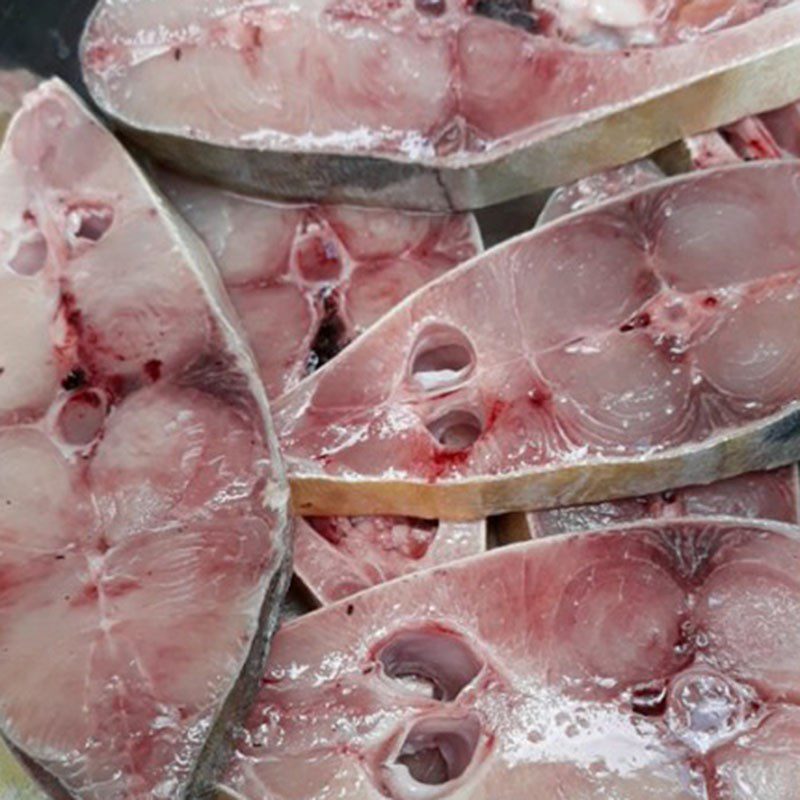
[(143, 528), (757, 495), (306, 281), (645, 344), (523, 673), (431, 103), (338, 556)]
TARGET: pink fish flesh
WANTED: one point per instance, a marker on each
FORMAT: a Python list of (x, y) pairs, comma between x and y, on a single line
[(534, 377), (306, 281), (143, 522), (652, 662), (430, 103)]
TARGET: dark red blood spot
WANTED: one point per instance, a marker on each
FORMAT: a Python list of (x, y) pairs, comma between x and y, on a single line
[(443, 463), (102, 545), (60, 557), (76, 379), (153, 369), (71, 312), (760, 150), (498, 407), (350, 609), (433, 7), (539, 396), (177, 54), (649, 701), (115, 384), (28, 216), (710, 302), (639, 321), (669, 496), (2, 370)]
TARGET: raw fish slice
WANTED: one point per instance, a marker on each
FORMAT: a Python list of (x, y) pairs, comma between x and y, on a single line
[(523, 673), (766, 495), (306, 281), (14, 83), (757, 495), (143, 522), (535, 377), (14, 782), (430, 103), (338, 556)]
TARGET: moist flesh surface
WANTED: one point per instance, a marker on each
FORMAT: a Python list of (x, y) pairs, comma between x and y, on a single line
[(524, 673), (420, 80), (307, 280), (143, 538), (758, 495), (677, 335)]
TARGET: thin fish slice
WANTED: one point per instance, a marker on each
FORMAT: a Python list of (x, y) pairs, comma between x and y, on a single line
[(143, 523), (306, 281), (648, 662), (431, 104)]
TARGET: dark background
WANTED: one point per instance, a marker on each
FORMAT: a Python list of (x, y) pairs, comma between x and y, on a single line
[(43, 35)]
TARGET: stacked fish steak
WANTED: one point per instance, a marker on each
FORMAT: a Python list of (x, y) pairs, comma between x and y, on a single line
[(626, 376)]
